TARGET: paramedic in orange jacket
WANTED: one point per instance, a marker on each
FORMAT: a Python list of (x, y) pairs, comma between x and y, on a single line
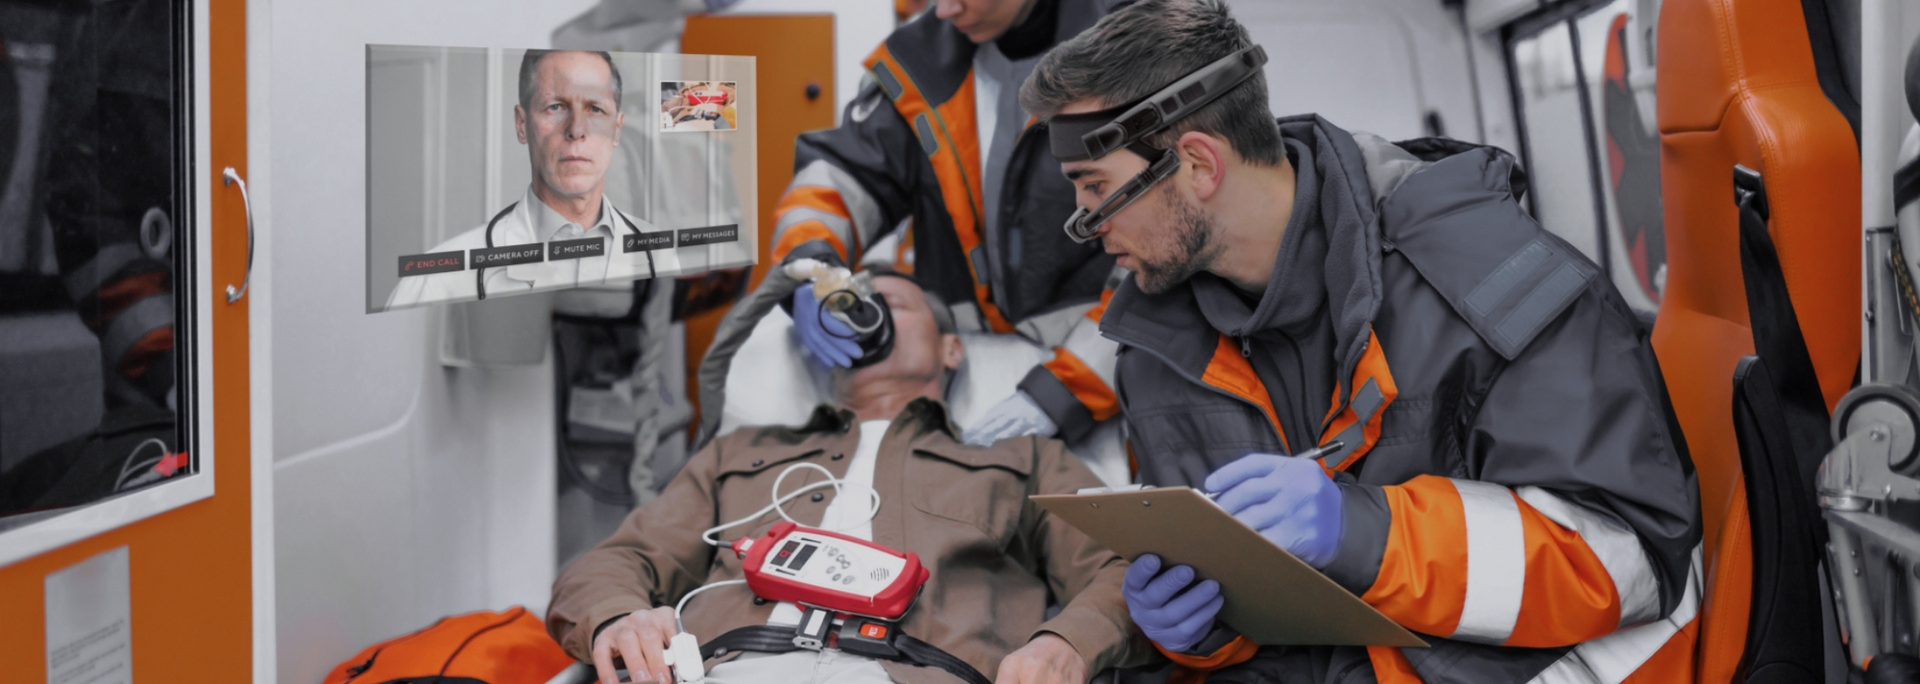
[(1484, 449), (936, 140)]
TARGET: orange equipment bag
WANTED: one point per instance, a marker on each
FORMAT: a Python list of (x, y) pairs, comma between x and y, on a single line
[(477, 648)]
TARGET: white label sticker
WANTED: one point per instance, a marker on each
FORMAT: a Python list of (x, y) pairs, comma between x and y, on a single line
[(89, 624)]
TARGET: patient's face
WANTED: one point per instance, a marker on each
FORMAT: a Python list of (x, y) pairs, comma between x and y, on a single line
[(920, 351)]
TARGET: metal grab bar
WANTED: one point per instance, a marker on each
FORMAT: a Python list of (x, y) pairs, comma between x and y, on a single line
[(230, 177)]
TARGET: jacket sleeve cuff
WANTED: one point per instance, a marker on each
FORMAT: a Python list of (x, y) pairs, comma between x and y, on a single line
[(1365, 521), (1216, 639), (579, 644), (818, 250), (1239, 650), (1066, 411), (1100, 643)]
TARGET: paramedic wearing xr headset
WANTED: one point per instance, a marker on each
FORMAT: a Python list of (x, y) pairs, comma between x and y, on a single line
[(1506, 480), (569, 118), (996, 558), (935, 150)]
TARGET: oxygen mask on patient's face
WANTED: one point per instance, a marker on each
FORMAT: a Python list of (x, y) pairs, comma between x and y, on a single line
[(850, 298)]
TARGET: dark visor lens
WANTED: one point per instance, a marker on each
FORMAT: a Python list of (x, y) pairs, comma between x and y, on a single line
[(1084, 225)]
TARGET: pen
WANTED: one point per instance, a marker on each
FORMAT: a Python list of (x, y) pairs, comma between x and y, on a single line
[(1315, 452)]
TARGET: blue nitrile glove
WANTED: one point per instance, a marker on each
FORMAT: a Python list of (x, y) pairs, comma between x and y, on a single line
[(1289, 500), (1015, 416), (831, 340), (1171, 614)]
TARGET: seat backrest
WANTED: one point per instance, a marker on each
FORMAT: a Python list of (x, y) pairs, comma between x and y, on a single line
[(1737, 84)]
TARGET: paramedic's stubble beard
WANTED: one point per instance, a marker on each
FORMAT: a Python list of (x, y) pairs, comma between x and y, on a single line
[(1189, 249)]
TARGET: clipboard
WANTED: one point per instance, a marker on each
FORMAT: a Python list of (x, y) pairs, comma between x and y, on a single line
[(1272, 597)]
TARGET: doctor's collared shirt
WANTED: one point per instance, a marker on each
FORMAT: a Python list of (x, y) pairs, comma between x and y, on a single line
[(529, 222)]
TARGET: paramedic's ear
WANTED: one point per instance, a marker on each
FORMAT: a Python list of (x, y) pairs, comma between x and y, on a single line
[(1205, 157), (520, 123), (619, 122), (952, 352)]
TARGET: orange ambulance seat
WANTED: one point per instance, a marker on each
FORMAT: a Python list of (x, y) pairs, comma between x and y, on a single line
[(1736, 85)]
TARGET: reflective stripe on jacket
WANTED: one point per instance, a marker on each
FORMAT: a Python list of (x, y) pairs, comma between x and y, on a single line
[(907, 148), (1515, 486)]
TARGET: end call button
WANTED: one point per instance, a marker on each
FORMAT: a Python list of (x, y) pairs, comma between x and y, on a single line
[(435, 262)]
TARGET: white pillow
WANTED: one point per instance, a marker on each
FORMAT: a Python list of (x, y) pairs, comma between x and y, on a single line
[(772, 382)]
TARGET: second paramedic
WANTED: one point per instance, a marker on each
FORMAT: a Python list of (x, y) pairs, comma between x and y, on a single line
[(937, 136), (1379, 361)]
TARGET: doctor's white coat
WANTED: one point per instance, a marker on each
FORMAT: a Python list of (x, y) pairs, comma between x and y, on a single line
[(516, 228)]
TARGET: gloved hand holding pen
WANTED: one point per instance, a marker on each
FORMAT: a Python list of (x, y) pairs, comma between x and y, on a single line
[(1288, 499)]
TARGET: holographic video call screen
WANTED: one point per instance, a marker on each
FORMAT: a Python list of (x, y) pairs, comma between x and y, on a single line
[(499, 172)]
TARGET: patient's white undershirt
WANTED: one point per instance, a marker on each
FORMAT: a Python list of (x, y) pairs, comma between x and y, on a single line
[(847, 513)]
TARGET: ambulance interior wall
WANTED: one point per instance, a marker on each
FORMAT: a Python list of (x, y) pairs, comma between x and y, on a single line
[(406, 490)]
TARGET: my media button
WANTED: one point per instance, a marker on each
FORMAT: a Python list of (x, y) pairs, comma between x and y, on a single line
[(640, 242), (437, 262), (690, 237), (559, 250)]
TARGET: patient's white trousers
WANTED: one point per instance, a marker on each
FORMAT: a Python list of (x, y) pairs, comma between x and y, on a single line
[(799, 667)]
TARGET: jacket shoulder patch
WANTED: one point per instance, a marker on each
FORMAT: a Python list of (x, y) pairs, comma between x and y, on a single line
[(1456, 222)]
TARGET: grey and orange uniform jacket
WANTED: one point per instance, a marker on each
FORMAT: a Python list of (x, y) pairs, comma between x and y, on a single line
[(985, 232), (1515, 489), (995, 558)]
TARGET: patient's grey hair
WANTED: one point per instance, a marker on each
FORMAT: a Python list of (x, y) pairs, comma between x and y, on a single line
[(1146, 46), (530, 65), (942, 314)]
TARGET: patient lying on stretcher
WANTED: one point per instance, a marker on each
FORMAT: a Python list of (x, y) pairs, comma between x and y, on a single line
[(995, 557)]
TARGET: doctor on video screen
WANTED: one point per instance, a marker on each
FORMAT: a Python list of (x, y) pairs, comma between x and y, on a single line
[(569, 118)]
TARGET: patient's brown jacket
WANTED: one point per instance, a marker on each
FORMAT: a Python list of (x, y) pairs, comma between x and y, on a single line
[(995, 557)]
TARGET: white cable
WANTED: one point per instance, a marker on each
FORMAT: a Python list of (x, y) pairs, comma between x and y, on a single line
[(683, 601), (778, 499), (131, 467)]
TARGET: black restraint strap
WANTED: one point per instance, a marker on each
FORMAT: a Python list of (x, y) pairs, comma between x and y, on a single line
[(1780, 421), (922, 653), (758, 638), (1777, 338), (778, 639)]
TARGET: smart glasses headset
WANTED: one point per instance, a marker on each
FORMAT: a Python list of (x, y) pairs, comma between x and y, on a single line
[(1092, 135), (480, 273)]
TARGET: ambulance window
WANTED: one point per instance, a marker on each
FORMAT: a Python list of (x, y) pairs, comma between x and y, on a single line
[(95, 217), (1583, 81)]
